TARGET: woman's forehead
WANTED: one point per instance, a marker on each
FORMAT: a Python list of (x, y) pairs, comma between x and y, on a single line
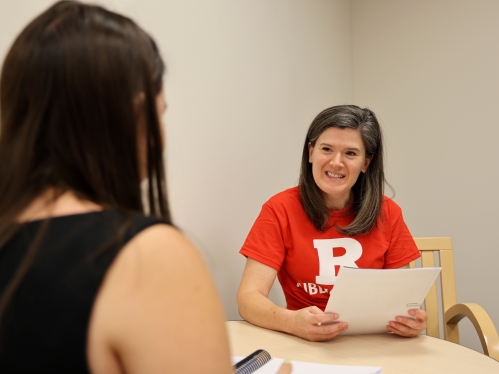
[(344, 136)]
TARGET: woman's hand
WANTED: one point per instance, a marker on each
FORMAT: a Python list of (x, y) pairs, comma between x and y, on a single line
[(313, 324), (256, 308), (409, 327)]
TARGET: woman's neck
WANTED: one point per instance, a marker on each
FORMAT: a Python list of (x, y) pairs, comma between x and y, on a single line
[(53, 203), (339, 203)]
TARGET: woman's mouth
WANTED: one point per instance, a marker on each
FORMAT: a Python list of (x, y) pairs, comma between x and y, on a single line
[(332, 175)]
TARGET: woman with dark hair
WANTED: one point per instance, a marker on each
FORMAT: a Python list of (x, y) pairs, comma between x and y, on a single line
[(336, 216), (88, 281)]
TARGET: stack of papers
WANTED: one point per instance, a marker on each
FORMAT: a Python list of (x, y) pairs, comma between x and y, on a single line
[(367, 299)]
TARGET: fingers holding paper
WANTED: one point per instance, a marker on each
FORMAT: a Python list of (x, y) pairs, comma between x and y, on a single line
[(409, 327), (313, 324)]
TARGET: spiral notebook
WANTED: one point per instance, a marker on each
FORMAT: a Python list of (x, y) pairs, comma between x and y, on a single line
[(260, 362), (253, 362)]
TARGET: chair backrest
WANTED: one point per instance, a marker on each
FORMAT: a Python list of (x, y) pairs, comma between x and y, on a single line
[(443, 248)]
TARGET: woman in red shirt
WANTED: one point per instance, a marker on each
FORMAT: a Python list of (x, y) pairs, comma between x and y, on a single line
[(336, 216)]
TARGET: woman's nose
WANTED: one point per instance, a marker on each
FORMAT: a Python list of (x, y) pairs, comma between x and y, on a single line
[(336, 159)]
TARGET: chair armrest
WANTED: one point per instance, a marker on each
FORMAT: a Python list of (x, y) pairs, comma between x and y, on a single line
[(482, 323)]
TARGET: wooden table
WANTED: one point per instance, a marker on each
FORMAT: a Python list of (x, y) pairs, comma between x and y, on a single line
[(395, 354)]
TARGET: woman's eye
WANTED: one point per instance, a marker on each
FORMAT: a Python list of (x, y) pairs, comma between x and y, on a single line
[(351, 154), (326, 149)]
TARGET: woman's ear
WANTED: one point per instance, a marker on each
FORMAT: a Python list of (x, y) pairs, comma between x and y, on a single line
[(141, 123), (140, 116), (138, 109), (310, 150), (366, 163)]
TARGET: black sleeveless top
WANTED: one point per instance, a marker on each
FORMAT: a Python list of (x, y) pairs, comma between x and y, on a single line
[(44, 329)]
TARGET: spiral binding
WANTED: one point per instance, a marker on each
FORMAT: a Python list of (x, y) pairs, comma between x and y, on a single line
[(253, 362)]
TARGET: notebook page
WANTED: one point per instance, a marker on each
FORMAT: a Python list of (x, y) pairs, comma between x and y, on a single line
[(301, 367)]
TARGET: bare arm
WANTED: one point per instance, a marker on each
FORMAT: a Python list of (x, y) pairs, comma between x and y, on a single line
[(256, 308), (157, 309)]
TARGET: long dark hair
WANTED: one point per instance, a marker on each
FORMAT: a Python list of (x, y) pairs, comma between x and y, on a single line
[(369, 187), (68, 90)]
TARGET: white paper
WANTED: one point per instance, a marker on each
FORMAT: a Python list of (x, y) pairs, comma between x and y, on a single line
[(367, 299), (300, 367)]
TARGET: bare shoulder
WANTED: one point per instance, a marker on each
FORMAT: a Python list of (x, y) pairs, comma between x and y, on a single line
[(158, 281), (157, 244), (159, 235), (159, 252)]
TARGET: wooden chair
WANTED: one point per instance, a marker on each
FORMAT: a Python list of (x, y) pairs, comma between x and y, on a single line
[(452, 312)]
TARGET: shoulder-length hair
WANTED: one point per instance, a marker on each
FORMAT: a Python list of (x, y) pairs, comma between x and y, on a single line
[(368, 189), (69, 89)]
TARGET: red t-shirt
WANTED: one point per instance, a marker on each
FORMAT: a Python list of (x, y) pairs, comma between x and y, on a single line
[(307, 260)]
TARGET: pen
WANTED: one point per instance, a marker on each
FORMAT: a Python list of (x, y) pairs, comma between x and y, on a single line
[(285, 368)]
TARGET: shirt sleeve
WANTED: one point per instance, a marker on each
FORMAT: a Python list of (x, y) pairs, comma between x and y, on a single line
[(265, 242), (403, 249)]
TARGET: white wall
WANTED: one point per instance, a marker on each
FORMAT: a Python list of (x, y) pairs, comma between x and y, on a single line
[(245, 79), (244, 84), (430, 70)]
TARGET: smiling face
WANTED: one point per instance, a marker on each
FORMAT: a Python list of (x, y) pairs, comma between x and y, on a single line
[(337, 159)]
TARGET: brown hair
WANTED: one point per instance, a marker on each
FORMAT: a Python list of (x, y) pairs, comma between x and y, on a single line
[(67, 91), (368, 189)]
